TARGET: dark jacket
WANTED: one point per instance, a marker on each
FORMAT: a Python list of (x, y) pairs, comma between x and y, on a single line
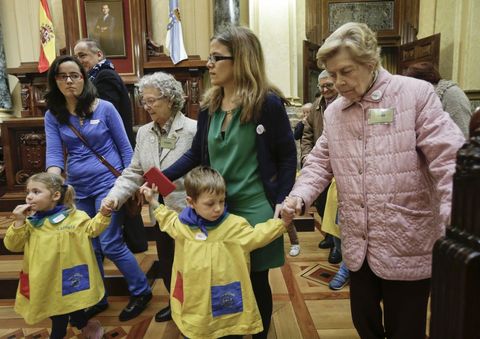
[(276, 151), (110, 87)]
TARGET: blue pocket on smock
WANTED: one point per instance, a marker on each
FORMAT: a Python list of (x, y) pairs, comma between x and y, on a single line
[(227, 299), (75, 279)]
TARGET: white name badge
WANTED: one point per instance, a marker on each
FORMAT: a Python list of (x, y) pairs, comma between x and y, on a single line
[(380, 116), (58, 218), (94, 122), (200, 236), (168, 142)]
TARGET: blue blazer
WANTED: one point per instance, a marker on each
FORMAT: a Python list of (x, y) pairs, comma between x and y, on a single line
[(276, 151)]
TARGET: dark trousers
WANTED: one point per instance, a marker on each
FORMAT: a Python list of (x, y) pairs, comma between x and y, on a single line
[(263, 295), (60, 323), (165, 251), (404, 306), (322, 201)]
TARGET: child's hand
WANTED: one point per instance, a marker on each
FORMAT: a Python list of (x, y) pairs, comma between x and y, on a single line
[(20, 213), (107, 206), (149, 193), (290, 207)]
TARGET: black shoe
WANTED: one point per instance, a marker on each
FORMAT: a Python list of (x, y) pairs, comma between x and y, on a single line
[(327, 242), (335, 256), (92, 311), (136, 306), (165, 314)]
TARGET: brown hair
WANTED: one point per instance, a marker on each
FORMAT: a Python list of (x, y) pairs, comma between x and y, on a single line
[(56, 183), (423, 70), (250, 78), (203, 179)]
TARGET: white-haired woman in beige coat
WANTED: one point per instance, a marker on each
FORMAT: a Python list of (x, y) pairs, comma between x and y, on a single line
[(158, 144)]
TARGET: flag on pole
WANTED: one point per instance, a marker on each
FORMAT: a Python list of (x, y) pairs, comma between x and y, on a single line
[(47, 38), (174, 40)]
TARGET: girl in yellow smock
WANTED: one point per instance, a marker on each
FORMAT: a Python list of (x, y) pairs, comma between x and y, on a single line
[(60, 275)]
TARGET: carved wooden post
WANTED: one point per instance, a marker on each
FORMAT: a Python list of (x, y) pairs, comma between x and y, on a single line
[(456, 258)]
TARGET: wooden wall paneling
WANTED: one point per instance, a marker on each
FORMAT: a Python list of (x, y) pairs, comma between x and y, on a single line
[(310, 71), (23, 142), (72, 26), (383, 16), (426, 49), (313, 21)]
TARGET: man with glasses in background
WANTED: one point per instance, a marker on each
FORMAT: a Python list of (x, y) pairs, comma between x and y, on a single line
[(312, 131)]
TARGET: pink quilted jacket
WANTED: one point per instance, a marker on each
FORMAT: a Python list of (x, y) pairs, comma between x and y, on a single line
[(394, 180)]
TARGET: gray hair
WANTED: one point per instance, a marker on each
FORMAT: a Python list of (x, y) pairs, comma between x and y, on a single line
[(167, 86), (324, 75), (92, 45), (358, 39)]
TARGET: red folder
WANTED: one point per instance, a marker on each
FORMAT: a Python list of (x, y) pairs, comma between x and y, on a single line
[(155, 176)]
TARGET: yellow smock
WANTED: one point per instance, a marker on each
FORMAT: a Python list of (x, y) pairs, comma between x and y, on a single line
[(211, 294), (59, 272), (329, 224)]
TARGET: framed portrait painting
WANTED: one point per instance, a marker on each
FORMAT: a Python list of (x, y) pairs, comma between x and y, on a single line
[(105, 23)]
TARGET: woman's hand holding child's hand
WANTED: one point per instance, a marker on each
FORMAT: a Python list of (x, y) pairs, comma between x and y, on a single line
[(20, 213), (149, 194), (107, 207), (290, 207)]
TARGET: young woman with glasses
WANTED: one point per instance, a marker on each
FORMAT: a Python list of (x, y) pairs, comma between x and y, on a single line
[(71, 100), (243, 132)]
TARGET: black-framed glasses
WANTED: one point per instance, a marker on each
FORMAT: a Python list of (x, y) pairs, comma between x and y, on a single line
[(328, 85), (64, 76), (214, 58), (149, 101)]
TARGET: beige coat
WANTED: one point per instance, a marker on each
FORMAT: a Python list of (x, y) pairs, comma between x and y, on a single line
[(146, 156), (394, 180)]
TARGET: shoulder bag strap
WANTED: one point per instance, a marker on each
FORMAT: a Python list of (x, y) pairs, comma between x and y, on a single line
[(98, 155)]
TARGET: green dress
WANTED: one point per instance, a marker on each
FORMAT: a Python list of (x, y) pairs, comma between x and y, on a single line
[(234, 155)]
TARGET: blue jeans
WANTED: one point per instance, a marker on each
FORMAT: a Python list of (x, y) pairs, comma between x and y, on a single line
[(110, 244)]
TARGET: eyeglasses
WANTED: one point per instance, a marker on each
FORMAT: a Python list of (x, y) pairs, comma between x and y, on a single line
[(328, 85), (64, 77), (149, 101), (214, 58)]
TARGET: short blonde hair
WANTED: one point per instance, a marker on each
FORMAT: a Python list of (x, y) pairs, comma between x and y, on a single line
[(204, 179), (358, 39)]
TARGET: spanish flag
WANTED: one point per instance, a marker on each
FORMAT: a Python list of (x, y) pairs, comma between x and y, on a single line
[(47, 38)]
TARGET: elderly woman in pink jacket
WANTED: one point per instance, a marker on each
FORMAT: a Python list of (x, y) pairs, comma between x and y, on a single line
[(391, 148)]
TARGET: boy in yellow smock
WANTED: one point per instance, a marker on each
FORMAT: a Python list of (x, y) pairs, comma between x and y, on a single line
[(211, 293)]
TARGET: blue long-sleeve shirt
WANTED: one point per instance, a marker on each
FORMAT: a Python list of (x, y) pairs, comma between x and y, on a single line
[(104, 131)]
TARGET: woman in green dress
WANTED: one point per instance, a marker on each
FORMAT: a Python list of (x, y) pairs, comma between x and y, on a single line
[(243, 132)]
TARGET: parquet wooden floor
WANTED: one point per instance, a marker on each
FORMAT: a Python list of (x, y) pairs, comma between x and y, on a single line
[(304, 306)]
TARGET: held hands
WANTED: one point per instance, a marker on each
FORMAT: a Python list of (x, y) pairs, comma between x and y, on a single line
[(150, 194), (290, 207), (108, 205), (20, 213)]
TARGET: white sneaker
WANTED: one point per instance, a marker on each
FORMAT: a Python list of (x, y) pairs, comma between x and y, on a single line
[(294, 250), (93, 330)]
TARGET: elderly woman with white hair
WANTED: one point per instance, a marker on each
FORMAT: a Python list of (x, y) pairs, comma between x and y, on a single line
[(392, 149), (158, 144)]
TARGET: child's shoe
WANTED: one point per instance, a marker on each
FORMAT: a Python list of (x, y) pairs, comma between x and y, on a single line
[(340, 279), (93, 330), (294, 250)]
